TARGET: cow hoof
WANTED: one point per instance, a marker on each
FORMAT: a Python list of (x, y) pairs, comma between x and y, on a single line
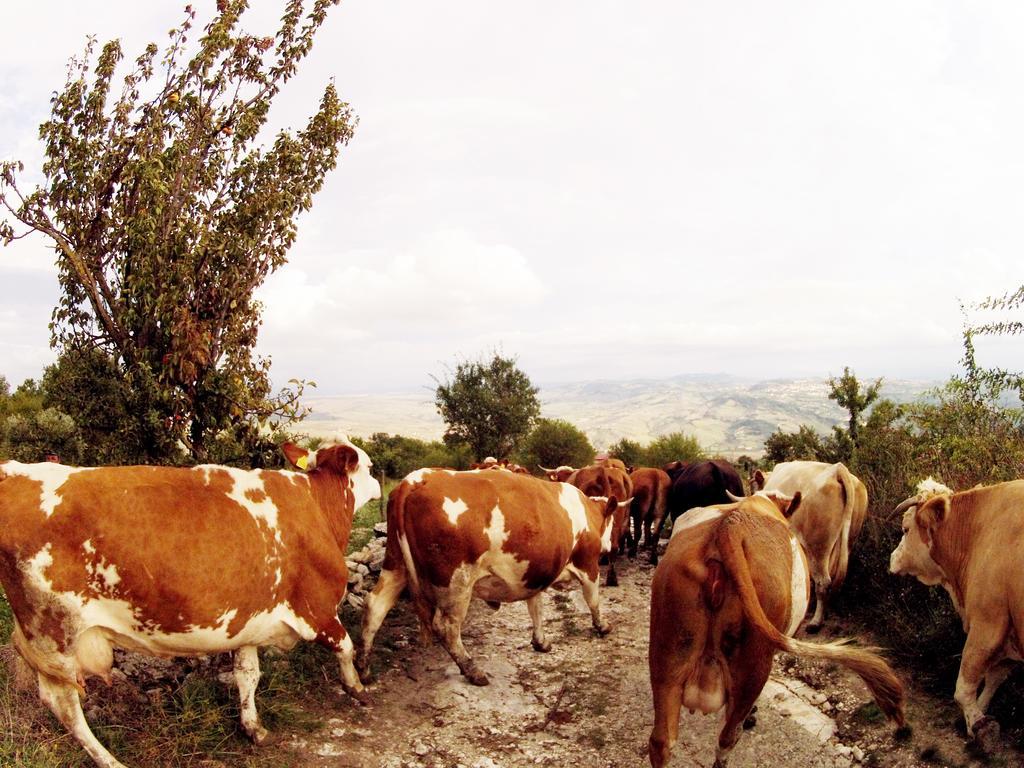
[(749, 722), (261, 737), (477, 677), (986, 734), (603, 629), (360, 695), (493, 604), (365, 676), (612, 580), (541, 647), (812, 629)]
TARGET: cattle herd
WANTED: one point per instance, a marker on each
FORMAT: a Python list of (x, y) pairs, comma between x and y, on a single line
[(190, 561)]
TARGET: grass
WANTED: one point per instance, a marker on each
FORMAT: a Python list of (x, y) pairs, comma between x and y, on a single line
[(6, 620)]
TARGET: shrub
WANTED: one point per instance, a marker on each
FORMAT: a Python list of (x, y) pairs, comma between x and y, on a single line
[(554, 442), (675, 446)]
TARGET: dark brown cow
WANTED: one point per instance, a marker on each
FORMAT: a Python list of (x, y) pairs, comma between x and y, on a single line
[(499, 536), (650, 500), (609, 482), (731, 589), (176, 562), (701, 484)]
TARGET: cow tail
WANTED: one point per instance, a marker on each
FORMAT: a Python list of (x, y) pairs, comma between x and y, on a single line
[(885, 687), (846, 482), (397, 554)]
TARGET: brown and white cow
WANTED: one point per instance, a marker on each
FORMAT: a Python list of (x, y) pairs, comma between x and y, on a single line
[(609, 482), (972, 543), (498, 536), (729, 592), (833, 510), (176, 562), (650, 502)]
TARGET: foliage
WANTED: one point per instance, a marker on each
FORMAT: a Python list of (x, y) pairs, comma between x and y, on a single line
[(553, 443), (488, 405), (630, 452), (847, 392), (165, 216), (959, 440), (30, 437), (86, 384), (992, 381), (674, 446), (396, 455)]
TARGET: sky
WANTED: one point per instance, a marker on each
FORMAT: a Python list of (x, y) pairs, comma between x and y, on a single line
[(610, 190)]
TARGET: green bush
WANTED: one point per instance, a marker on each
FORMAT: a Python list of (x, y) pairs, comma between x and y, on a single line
[(675, 446), (554, 442), (396, 455), (630, 452)]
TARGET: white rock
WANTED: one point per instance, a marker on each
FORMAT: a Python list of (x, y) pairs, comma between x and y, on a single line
[(858, 754), (420, 748)]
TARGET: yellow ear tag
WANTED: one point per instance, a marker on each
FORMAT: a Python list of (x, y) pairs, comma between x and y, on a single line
[(302, 462)]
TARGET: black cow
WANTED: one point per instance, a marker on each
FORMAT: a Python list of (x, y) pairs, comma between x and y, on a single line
[(701, 484)]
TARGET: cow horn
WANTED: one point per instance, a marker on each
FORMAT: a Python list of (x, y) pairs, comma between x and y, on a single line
[(906, 504), (626, 503), (542, 468), (733, 497)]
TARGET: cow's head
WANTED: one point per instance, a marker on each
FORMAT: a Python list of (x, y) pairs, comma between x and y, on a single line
[(758, 480), (923, 515), (673, 468), (558, 474), (342, 458)]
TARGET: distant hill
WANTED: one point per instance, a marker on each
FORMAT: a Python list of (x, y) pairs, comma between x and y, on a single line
[(727, 414)]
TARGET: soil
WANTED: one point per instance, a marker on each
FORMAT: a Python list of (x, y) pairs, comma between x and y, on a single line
[(587, 702)]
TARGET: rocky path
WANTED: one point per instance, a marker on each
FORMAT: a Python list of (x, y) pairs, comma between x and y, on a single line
[(586, 702)]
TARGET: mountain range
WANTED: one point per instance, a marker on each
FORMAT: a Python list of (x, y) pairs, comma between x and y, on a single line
[(727, 414)]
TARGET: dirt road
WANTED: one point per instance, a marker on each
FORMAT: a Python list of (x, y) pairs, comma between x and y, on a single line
[(586, 702)]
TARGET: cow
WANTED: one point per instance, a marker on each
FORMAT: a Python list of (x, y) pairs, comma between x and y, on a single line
[(498, 536), (611, 461), (650, 500), (610, 482), (559, 474), (701, 484), (972, 543), (834, 508), (492, 463), (729, 592), (175, 561)]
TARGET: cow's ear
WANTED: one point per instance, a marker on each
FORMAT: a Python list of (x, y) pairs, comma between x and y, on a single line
[(794, 505), (931, 515), (298, 457), (757, 481), (340, 458)]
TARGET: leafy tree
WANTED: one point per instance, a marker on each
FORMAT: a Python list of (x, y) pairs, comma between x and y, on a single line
[(166, 216), (554, 442), (488, 405), (629, 451), (675, 446), (803, 445), (846, 391)]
